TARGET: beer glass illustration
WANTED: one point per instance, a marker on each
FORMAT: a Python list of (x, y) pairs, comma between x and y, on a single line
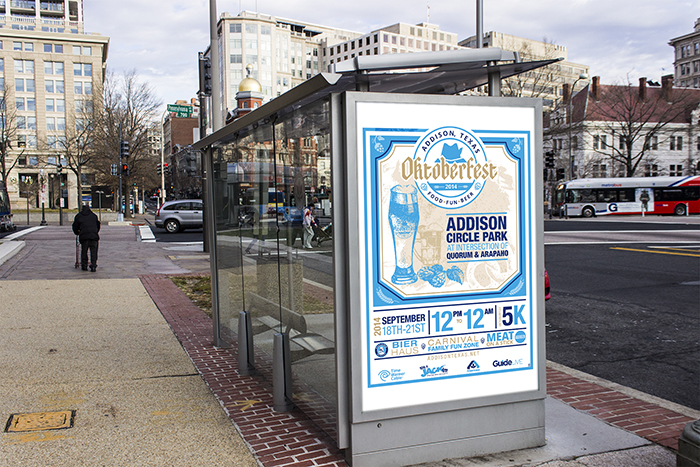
[(403, 218)]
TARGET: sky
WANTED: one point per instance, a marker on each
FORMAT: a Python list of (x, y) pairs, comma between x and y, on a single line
[(619, 40)]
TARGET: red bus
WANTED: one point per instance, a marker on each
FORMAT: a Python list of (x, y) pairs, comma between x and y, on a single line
[(650, 195)]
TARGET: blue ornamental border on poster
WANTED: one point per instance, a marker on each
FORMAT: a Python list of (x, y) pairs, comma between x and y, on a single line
[(378, 144)]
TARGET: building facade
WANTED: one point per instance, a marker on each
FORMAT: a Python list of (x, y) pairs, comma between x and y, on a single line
[(394, 39), (590, 135), (51, 74), (686, 60), (546, 83), (283, 52)]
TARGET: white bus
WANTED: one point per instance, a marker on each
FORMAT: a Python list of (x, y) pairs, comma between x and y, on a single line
[(603, 196)]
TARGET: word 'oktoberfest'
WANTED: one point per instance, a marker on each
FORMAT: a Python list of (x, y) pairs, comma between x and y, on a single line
[(445, 171)]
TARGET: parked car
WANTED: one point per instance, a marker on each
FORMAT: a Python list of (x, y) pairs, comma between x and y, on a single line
[(181, 214), (547, 293)]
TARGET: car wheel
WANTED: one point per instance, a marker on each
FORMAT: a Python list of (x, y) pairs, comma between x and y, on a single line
[(587, 212), (680, 210), (172, 226)]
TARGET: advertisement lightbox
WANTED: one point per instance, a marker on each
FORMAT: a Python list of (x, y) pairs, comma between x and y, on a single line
[(447, 254)]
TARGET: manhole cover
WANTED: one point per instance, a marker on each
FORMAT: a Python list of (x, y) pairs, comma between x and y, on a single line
[(21, 422)]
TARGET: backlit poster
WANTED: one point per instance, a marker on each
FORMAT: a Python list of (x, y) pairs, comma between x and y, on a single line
[(447, 257)]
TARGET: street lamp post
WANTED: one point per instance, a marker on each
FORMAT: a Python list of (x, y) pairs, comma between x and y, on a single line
[(162, 157), (42, 187), (99, 201), (59, 169), (570, 117)]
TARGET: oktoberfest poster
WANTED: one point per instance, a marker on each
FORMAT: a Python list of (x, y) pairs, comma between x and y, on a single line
[(446, 194)]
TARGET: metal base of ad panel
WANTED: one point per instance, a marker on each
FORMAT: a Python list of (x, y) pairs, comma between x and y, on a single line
[(437, 436)]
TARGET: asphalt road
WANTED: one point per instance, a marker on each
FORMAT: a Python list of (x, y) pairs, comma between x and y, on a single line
[(628, 312)]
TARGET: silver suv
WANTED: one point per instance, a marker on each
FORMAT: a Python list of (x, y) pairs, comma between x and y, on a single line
[(181, 214)]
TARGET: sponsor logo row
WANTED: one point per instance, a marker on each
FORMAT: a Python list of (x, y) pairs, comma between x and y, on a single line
[(427, 371)]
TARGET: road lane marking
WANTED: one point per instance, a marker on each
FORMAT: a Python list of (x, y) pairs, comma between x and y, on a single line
[(658, 252)]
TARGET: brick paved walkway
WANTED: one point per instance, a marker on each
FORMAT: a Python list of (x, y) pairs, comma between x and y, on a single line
[(280, 439), (277, 439), (645, 419)]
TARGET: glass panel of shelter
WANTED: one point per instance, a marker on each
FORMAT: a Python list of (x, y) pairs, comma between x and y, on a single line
[(262, 187)]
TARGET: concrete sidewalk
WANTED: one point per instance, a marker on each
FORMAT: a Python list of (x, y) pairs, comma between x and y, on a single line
[(105, 345)]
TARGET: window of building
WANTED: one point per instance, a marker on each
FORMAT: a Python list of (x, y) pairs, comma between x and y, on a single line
[(265, 30), (17, 46), (76, 50), (50, 124), (19, 85), (251, 28), (21, 123), (386, 38), (393, 39), (60, 124), (53, 68), (352, 45), (675, 170), (236, 58), (376, 38), (31, 123), (676, 143), (19, 103), (234, 28), (82, 69), (376, 51), (50, 105), (24, 66), (651, 170)]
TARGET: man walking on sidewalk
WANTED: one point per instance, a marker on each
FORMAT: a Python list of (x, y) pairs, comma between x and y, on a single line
[(86, 226)]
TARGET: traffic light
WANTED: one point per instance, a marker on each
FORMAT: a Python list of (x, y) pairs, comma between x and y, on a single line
[(124, 149), (549, 160), (204, 75), (166, 168), (190, 163), (160, 169), (125, 170)]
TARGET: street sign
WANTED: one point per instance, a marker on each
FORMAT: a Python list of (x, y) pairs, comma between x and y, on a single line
[(182, 111)]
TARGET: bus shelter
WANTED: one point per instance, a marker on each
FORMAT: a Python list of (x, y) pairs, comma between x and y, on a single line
[(410, 328)]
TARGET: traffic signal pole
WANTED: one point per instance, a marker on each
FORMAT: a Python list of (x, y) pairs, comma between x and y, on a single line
[(120, 213)]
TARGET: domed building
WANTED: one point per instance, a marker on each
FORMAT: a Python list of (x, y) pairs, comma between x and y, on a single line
[(249, 96)]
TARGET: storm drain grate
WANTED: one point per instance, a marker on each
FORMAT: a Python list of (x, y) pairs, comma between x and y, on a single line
[(23, 422)]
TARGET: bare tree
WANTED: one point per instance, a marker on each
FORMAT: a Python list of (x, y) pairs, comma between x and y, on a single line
[(129, 107), (8, 134), (540, 82), (77, 148), (634, 118)]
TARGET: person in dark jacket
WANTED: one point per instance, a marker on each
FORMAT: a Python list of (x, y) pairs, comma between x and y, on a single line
[(86, 226)]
